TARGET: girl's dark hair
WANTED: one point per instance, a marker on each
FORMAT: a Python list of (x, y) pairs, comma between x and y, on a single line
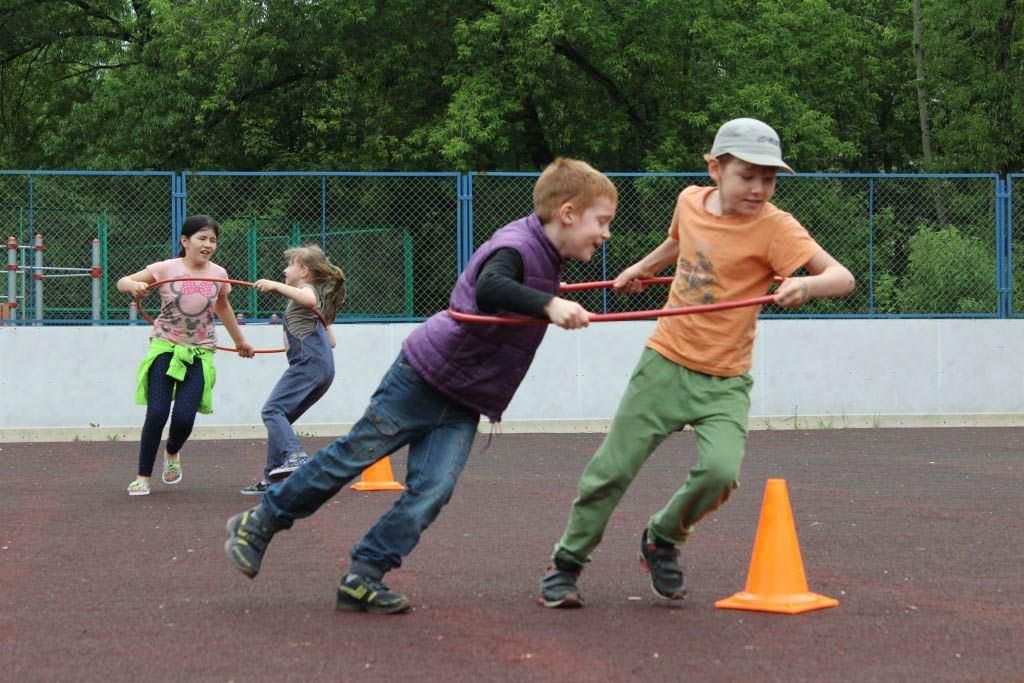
[(194, 224), (322, 273)]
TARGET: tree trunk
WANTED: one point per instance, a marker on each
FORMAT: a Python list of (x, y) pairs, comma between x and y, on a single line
[(922, 109)]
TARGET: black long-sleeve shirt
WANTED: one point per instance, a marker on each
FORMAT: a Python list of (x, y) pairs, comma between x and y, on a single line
[(499, 286)]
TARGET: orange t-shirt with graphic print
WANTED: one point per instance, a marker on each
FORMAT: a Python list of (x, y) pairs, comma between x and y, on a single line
[(724, 258)]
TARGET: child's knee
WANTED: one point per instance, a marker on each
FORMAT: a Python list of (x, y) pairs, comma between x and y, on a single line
[(604, 485), (722, 477), (157, 415), (268, 413)]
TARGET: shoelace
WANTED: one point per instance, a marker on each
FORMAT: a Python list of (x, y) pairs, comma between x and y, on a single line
[(377, 585)]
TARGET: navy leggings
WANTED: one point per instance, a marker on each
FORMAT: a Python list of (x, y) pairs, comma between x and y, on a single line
[(158, 407)]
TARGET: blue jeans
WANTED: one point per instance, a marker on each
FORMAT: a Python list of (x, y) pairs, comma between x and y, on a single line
[(308, 377), (404, 410)]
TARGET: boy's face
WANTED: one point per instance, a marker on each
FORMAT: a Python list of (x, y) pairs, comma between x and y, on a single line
[(585, 231), (743, 187)]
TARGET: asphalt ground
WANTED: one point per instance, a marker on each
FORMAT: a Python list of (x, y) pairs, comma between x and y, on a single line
[(917, 532)]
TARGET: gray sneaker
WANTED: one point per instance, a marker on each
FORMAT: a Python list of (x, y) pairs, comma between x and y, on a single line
[(256, 489), (293, 462), (248, 536), (660, 558), (558, 586)]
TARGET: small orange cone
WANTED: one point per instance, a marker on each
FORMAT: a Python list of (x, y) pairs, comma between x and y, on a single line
[(378, 477), (776, 581)]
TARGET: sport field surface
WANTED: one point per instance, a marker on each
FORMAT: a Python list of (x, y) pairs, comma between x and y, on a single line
[(918, 533)]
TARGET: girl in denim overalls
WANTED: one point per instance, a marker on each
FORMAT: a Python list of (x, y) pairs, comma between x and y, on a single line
[(313, 285)]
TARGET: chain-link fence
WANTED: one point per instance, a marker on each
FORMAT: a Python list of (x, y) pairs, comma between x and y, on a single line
[(128, 214), (394, 235), (919, 245)]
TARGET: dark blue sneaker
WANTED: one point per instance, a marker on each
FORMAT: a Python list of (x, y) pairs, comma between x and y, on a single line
[(558, 586), (358, 593), (660, 558)]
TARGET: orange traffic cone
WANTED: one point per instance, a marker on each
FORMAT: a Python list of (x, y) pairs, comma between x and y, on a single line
[(378, 477), (776, 581)]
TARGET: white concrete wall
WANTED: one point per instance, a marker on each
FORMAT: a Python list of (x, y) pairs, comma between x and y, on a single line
[(78, 382)]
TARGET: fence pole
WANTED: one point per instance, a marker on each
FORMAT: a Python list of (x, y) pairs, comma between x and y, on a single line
[(96, 272), (871, 245), (464, 221), (12, 275), (1004, 269), (179, 209), (103, 228), (253, 270), (323, 213), (37, 278), (407, 248)]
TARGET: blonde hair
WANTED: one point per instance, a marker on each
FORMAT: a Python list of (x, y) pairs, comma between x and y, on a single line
[(323, 274), (570, 180)]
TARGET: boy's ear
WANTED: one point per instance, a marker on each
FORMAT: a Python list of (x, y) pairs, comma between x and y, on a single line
[(714, 167), (565, 213)]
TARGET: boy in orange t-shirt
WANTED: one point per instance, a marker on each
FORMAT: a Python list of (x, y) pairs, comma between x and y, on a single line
[(727, 242)]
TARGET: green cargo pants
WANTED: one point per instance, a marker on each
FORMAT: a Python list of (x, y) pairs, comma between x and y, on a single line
[(663, 397)]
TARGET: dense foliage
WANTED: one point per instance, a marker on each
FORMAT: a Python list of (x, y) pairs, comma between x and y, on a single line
[(506, 84)]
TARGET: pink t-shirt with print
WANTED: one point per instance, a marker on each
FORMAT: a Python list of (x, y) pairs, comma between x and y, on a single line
[(187, 307)]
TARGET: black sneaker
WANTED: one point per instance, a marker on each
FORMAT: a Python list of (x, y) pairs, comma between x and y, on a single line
[(293, 462), (256, 489), (248, 536), (558, 586), (358, 593), (660, 559)]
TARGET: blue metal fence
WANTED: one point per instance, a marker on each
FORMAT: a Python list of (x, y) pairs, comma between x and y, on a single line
[(921, 245)]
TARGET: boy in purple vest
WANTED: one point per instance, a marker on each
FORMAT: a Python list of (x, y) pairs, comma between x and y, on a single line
[(447, 375)]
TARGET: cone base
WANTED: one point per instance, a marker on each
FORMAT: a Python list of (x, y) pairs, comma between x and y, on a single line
[(785, 603), (378, 486)]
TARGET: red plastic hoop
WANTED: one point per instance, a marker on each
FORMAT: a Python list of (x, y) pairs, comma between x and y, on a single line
[(606, 284), (617, 317), (243, 283)]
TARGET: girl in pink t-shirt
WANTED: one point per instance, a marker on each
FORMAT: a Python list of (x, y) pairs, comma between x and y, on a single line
[(179, 365)]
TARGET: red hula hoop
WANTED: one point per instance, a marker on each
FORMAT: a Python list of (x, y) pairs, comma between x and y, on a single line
[(605, 284), (243, 283), (617, 317)]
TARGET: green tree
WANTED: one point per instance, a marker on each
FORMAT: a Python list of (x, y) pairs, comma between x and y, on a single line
[(508, 84), (973, 54), (948, 273)]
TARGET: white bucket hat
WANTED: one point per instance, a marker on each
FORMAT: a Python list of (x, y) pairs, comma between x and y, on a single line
[(752, 141)]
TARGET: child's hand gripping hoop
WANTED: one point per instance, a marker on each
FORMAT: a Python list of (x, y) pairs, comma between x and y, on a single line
[(615, 317), (138, 303)]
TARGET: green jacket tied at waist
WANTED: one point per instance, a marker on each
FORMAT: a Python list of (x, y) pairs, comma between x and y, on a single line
[(183, 355)]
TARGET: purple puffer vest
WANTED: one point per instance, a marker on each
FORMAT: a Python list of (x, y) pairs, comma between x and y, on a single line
[(477, 365)]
